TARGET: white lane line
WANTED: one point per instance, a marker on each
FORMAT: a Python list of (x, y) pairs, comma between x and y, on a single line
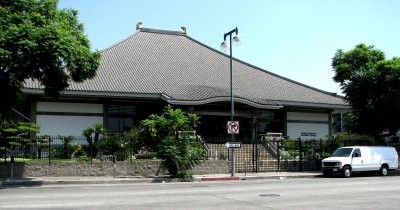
[(382, 189), (28, 206)]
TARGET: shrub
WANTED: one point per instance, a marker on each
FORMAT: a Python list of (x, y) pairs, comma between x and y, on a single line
[(180, 155), (78, 150), (178, 150)]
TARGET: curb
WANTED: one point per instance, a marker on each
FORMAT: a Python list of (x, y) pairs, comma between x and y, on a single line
[(127, 180), (278, 177), (230, 178)]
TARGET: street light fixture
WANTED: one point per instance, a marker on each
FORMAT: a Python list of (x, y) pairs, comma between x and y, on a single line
[(224, 47), (235, 39)]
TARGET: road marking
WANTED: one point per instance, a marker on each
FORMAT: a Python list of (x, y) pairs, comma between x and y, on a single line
[(382, 189), (242, 196), (55, 205)]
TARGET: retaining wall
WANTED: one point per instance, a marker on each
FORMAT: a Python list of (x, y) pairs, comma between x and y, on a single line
[(104, 168)]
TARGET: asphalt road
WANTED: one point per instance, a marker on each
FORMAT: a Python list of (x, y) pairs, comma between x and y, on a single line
[(363, 192)]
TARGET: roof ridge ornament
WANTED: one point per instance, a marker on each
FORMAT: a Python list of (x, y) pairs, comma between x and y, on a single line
[(183, 30), (138, 25)]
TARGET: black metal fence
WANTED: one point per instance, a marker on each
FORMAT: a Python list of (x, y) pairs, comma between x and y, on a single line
[(261, 155), (255, 155), (76, 148)]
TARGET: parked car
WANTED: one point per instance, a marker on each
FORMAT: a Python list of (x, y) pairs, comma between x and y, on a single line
[(346, 160)]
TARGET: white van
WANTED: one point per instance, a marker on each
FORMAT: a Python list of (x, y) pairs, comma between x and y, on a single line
[(346, 160)]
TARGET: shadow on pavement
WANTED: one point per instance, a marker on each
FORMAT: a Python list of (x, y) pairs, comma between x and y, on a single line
[(25, 182)]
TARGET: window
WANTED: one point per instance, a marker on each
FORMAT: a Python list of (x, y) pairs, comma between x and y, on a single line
[(357, 153), (120, 117), (342, 152), (122, 109)]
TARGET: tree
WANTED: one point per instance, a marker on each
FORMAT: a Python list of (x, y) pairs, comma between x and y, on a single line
[(17, 135), (169, 123), (177, 148), (40, 42), (371, 85)]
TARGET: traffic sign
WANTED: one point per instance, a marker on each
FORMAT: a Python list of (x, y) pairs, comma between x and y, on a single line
[(233, 144), (233, 127)]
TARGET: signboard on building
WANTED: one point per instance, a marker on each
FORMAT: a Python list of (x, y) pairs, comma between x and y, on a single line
[(308, 134)]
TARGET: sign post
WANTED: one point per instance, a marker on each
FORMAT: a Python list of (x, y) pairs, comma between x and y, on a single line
[(12, 167), (115, 164), (233, 128)]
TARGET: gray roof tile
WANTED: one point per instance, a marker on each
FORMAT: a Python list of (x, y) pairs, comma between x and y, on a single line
[(159, 62)]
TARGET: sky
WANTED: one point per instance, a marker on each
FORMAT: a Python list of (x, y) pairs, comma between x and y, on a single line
[(292, 38)]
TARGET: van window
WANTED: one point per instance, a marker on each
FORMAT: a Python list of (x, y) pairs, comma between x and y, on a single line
[(342, 152), (357, 153)]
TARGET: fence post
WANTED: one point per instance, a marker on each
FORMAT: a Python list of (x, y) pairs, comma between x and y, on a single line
[(49, 150), (279, 142), (130, 151), (257, 157), (5, 154), (253, 153), (12, 167), (301, 156), (322, 148), (91, 150)]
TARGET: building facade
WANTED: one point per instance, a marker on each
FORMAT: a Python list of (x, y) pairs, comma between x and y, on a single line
[(140, 75)]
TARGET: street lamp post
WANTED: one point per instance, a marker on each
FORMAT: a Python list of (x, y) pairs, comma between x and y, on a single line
[(224, 47)]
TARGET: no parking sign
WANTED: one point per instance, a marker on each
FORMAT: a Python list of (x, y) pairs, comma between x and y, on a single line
[(233, 127)]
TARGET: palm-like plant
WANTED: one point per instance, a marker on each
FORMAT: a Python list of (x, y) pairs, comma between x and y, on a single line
[(66, 140), (87, 133), (97, 130)]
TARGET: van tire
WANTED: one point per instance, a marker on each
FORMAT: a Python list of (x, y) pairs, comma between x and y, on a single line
[(383, 171), (346, 172)]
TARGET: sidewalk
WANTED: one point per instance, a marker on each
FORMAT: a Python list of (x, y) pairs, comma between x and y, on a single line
[(37, 181)]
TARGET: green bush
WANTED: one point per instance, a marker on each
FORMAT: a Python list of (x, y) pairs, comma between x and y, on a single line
[(174, 130), (180, 155), (28, 155), (78, 150), (57, 153), (121, 155), (83, 158)]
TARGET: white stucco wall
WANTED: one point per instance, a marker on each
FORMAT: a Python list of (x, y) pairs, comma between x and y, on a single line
[(69, 107), (308, 116), (65, 125), (307, 125), (307, 130), (57, 118)]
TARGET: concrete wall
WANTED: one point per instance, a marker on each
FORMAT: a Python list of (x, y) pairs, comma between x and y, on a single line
[(137, 168)]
